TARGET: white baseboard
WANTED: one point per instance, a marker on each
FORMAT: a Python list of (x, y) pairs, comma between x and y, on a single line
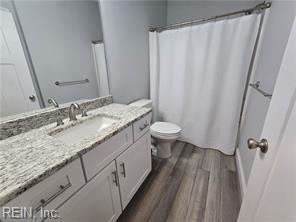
[(241, 175)]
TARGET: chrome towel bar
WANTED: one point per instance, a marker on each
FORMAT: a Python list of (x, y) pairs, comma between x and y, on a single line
[(256, 87), (58, 83)]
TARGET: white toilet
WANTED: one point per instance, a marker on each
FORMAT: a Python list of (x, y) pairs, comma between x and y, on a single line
[(164, 133)]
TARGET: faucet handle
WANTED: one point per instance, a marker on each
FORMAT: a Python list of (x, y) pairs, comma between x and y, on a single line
[(60, 121), (53, 102), (84, 113)]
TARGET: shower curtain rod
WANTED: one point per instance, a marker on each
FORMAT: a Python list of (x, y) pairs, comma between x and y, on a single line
[(259, 7)]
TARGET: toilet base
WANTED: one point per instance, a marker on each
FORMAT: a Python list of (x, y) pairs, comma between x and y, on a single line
[(164, 148)]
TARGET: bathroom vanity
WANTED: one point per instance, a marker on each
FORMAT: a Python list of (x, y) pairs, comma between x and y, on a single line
[(84, 173)]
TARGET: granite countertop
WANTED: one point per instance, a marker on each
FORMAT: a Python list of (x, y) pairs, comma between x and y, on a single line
[(30, 157)]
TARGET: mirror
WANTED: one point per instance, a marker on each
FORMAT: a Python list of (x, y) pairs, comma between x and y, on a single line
[(50, 49)]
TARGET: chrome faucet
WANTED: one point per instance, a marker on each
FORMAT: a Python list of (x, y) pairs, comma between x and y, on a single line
[(53, 102), (72, 115)]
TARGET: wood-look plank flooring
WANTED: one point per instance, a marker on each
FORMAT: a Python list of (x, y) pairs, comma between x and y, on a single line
[(193, 185)]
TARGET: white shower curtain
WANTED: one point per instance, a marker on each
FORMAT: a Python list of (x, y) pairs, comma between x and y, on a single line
[(198, 76)]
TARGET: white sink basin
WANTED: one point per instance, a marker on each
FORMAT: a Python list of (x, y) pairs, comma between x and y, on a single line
[(80, 131)]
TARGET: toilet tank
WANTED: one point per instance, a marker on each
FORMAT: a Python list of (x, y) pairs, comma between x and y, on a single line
[(147, 103)]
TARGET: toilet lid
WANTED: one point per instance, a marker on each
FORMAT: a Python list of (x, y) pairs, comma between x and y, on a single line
[(165, 128)]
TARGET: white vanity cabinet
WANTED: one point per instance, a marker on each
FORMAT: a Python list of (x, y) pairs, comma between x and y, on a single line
[(97, 201), (110, 188), (99, 185), (106, 194), (96, 159), (133, 166)]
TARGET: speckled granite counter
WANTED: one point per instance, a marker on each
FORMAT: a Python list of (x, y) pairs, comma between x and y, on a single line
[(30, 157), (24, 122)]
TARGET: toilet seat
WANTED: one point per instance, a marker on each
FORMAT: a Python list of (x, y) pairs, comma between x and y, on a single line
[(165, 137), (165, 130)]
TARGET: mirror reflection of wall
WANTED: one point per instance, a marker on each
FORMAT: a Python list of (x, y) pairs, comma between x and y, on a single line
[(101, 67), (55, 41)]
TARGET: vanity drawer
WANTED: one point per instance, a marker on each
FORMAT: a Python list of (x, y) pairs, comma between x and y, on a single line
[(50, 193), (95, 160), (142, 126)]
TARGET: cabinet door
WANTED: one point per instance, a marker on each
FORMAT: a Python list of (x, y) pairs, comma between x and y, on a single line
[(133, 166), (97, 201)]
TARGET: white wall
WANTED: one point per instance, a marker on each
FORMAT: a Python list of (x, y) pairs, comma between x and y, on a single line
[(183, 10), (125, 26), (59, 36)]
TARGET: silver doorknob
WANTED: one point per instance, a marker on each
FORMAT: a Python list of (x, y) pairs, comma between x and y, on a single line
[(263, 144)]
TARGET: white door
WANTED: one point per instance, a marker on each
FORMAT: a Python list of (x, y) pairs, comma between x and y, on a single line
[(16, 86), (97, 201), (271, 190), (133, 167)]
